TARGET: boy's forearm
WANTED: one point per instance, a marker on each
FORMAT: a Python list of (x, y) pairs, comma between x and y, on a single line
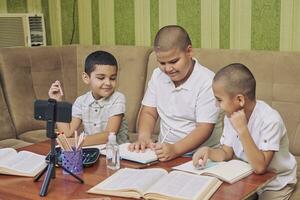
[(145, 130), (69, 128), (192, 141), (98, 138), (146, 123), (255, 157), (218, 155)]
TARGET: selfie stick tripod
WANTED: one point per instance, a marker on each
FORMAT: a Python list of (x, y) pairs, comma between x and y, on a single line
[(50, 169)]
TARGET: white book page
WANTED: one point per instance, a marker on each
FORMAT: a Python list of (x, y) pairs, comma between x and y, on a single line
[(6, 154), (25, 161), (142, 157), (189, 167), (126, 178), (231, 170), (183, 185)]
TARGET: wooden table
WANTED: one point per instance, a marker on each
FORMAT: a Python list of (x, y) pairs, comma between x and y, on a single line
[(66, 187)]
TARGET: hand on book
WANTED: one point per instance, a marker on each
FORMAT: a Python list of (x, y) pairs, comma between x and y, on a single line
[(200, 157), (165, 151), (141, 145)]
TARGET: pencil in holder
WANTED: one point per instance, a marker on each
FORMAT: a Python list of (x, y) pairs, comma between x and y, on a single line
[(72, 161)]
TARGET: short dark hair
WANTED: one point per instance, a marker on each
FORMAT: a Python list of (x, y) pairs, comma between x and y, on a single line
[(99, 58), (171, 36), (238, 80)]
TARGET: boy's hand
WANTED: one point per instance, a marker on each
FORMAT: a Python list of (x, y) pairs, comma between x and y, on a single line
[(239, 121), (141, 145), (165, 151), (55, 91), (200, 157)]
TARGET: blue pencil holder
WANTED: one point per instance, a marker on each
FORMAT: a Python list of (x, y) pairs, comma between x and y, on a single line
[(72, 161)]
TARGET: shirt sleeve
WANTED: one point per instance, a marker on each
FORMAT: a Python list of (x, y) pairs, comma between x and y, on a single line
[(118, 106), (228, 134), (271, 134), (206, 109), (77, 108), (150, 95)]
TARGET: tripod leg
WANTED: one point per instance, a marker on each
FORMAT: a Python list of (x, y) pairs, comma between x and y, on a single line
[(78, 178), (41, 174), (47, 179)]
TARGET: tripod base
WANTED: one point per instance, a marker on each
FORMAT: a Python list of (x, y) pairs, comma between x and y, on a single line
[(50, 173)]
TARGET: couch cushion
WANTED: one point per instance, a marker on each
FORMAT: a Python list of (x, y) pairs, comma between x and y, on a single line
[(33, 136), (260, 63), (7, 128), (19, 88), (13, 143), (27, 74), (69, 71), (131, 78)]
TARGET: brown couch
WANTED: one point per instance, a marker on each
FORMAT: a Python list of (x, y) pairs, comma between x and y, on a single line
[(26, 74)]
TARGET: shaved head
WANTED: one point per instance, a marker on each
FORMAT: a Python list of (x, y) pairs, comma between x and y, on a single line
[(237, 79), (171, 37)]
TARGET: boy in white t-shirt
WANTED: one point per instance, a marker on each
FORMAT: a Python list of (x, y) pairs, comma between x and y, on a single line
[(101, 110), (179, 93), (253, 132)]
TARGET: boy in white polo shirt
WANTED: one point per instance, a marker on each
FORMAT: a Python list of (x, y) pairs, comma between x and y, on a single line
[(180, 94), (101, 110), (253, 132)]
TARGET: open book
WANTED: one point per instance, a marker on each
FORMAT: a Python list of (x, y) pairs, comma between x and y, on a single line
[(157, 183), (144, 158), (230, 171), (23, 163)]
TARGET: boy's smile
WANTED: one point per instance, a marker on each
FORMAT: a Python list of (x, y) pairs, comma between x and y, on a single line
[(102, 80)]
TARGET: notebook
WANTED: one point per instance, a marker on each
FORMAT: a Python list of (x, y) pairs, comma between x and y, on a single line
[(142, 157)]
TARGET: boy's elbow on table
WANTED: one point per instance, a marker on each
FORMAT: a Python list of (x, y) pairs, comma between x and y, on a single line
[(260, 170)]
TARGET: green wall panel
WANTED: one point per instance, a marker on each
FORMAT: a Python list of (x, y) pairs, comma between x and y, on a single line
[(273, 24), (224, 24), (67, 22), (124, 22), (265, 24), (154, 19), (189, 17), (16, 6), (95, 21), (45, 10)]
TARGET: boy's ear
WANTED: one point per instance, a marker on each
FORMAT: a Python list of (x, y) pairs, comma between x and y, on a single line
[(189, 50), (241, 100), (85, 78)]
